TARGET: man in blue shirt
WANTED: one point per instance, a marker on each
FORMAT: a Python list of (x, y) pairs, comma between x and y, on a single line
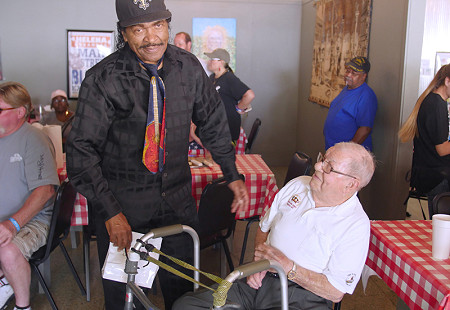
[(352, 112)]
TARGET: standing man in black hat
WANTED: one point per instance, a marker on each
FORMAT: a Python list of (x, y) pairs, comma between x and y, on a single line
[(127, 151), (352, 112)]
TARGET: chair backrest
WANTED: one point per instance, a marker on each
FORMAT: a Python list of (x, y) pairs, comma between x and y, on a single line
[(300, 164), (252, 136), (214, 212), (60, 221), (441, 203)]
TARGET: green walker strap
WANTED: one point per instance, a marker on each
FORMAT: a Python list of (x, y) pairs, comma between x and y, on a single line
[(189, 267), (220, 295)]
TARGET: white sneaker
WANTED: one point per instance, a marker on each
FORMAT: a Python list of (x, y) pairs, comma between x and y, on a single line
[(6, 294), (29, 308)]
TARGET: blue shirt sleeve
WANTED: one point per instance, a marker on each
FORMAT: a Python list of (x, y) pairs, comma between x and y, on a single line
[(367, 108)]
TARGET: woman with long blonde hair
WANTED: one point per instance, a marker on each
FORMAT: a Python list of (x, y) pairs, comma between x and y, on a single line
[(428, 127)]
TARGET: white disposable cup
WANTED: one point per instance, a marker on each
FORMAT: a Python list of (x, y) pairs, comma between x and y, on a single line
[(441, 236)]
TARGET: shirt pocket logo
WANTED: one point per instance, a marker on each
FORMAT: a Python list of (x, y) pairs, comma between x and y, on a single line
[(294, 201)]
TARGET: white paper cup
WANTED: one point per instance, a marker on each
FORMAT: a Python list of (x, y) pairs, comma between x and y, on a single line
[(441, 236)]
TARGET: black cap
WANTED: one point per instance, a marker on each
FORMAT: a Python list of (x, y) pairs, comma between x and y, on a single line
[(132, 12), (359, 64)]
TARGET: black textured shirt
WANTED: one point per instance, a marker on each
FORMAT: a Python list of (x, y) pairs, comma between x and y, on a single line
[(104, 148)]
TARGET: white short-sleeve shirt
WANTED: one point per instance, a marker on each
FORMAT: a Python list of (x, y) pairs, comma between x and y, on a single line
[(330, 240)]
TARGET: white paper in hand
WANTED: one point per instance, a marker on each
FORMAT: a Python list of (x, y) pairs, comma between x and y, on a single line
[(114, 266)]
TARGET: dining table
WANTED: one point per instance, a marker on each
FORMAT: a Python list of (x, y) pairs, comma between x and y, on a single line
[(241, 143), (400, 254), (259, 180)]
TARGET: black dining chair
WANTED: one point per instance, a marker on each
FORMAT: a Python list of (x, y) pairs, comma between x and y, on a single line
[(252, 136), (301, 164), (415, 194), (216, 222), (58, 232), (441, 203)]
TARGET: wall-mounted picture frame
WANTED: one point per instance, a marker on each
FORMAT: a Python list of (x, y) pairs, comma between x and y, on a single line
[(442, 58), (85, 48), (342, 32), (212, 33)]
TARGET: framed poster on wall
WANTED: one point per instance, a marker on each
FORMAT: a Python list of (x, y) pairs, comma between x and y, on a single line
[(212, 33), (85, 48)]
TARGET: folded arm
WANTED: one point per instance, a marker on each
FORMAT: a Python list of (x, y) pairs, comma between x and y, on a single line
[(312, 281), (443, 148), (246, 100), (361, 134), (255, 280), (309, 280)]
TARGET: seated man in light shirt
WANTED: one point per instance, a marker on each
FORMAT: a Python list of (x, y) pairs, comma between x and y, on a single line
[(28, 178), (317, 230)]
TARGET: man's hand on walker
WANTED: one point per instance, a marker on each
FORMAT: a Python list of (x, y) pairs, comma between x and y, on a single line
[(119, 231)]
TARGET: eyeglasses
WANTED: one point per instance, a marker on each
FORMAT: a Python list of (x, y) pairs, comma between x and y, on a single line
[(326, 166), (215, 58), (6, 109), (59, 100)]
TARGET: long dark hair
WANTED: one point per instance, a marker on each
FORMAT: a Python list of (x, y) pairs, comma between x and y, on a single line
[(120, 41), (227, 66)]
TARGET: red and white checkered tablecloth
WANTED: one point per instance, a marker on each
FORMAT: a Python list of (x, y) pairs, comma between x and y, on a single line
[(240, 146), (80, 211), (259, 179), (400, 253)]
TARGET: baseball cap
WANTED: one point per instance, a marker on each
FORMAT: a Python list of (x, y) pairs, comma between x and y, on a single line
[(58, 92), (220, 54), (132, 12), (359, 64)]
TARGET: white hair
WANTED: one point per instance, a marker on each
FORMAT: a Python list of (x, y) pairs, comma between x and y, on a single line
[(359, 161)]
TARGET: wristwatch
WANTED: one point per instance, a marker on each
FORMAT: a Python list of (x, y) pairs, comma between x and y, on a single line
[(292, 273)]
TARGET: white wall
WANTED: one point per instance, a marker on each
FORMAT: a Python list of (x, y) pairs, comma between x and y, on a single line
[(33, 49)]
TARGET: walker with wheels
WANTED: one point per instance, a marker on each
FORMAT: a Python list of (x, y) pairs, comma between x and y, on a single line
[(220, 295)]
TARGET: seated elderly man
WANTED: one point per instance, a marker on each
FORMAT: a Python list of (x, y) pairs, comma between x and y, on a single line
[(27, 185), (317, 230)]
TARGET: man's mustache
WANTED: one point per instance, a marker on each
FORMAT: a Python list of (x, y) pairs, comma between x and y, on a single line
[(151, 45)]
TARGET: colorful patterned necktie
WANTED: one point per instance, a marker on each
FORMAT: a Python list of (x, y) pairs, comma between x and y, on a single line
[(154, 144)]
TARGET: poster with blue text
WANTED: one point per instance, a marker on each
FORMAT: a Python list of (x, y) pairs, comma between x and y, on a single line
[(84, 50)]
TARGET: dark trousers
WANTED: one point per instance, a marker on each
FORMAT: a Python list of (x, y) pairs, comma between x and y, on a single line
[(267, 297), (179, 246)]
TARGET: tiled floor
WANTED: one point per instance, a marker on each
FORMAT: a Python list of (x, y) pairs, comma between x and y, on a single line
[(67, 295)]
